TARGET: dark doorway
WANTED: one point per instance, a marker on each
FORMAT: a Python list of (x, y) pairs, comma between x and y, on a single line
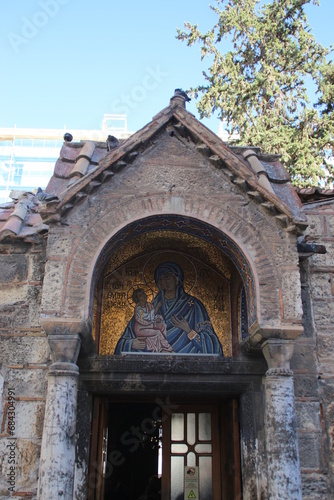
[(132, 442), (133, 449)]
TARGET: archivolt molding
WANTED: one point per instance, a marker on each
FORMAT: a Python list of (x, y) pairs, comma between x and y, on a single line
[(91, 247)]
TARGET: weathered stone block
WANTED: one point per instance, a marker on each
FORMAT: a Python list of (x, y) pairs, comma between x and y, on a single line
[(324, 260), (314, 487), (14, 316), (13, 268), (306, 386), (13, 294), (308, 416), (326, 344), (37, 266), (27, 464), (24, 350), (309, 450), (323, 312), (330, 223), (26, 454), (292, 305), (321, 285), (29, 417), (28, 382), (59, 243), (303, 359), (53, 285)]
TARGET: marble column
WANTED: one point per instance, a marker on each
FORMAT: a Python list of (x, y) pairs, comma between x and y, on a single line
[(284, 480), (57, 460)]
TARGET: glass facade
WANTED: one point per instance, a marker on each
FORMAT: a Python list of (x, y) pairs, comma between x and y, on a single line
[(28, 156), (26, 164)]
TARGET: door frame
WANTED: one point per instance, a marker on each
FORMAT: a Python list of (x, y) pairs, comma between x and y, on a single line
[(226, 470)]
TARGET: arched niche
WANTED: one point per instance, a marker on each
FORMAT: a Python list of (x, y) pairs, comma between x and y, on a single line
[(216, 272)]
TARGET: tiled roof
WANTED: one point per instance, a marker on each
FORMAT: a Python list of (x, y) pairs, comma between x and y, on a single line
[(20, 218), (83, 166), (315, 195)]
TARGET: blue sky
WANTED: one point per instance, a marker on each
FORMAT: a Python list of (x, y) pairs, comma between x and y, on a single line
[(67, 62)]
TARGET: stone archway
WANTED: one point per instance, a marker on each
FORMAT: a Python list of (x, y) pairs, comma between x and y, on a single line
[(207, 248), (71, 323)]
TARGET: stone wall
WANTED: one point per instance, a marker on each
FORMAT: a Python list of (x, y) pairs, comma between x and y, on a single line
[(24, 357), (313, 362)]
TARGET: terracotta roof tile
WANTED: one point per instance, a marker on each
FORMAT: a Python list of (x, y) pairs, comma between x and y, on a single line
[(33, 220), (4, 214), (23, 221), (275, 171), (70, 151), (315, 194), (87, 150), (80, 167), (99, 153), (7, 205), (56, 185), (13, 225), (63, 168)]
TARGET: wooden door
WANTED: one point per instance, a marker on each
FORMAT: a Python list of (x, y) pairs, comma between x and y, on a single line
[(202, 440), (98, 449)]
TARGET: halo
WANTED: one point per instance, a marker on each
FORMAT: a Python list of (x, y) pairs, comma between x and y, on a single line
[(148, 290), (190, 273)]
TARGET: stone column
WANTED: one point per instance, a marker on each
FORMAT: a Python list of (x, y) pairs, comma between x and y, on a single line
[(284, 480), (57, 460)]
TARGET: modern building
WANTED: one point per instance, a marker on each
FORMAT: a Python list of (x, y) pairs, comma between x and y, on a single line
[(27, 156), (167, 324)]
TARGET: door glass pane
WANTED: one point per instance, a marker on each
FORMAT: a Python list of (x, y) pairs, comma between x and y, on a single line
[(191, 430), (180, 448), (177, 477), (204, 426), (205, 478), (191, 458), (203, 448), (177, 427)]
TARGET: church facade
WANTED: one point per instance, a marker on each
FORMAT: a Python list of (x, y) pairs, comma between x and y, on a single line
[(167, 312)]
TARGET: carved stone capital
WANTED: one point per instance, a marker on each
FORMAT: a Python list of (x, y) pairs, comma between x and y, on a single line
[(66, 336), (259, 334), (278, 353), (61, 369), (279, 372), (64, 348)]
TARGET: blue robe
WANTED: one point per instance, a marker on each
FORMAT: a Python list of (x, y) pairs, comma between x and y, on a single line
[(182, 306)]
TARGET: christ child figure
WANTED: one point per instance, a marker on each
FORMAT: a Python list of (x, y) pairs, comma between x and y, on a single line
[(149, 326)]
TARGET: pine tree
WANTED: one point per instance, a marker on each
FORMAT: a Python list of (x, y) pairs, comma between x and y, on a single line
[(259, 86)]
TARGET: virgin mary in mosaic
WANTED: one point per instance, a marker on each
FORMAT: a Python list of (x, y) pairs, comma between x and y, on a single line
[(174, 321)]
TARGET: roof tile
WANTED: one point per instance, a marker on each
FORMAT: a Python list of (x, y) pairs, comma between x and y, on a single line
[(13, 225), (63, 168), (56, 186), (70, 152), (4, 214)]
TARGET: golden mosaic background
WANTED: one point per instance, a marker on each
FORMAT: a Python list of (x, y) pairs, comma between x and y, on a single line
[(207, 274)]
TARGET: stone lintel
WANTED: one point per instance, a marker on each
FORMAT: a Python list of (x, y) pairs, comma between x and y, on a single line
[(56, 325), (260, 334)]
